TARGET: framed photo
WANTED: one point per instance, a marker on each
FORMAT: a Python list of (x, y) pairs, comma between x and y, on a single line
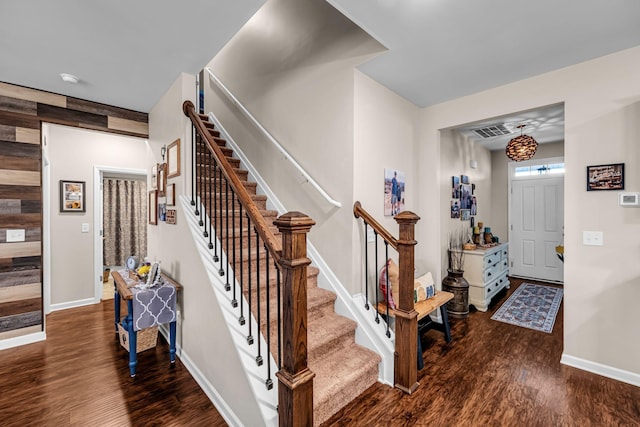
[(173, 159), (394, 191), (162, 179), (154, 176), (153, 207), (605, 177), (465, 196), (72, 196), (170, 194), (171, 216), (464, 179), (455, 209), (162, 211), (465, 215), (455, 187)]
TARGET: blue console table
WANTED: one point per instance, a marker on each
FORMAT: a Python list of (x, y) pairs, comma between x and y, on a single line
[(123, 291)]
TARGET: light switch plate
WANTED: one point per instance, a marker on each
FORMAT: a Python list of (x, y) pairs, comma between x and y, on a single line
[(85, 227), (592, 238), (15, 236)]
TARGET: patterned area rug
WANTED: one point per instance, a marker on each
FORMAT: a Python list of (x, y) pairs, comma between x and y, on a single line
[(531, 306)]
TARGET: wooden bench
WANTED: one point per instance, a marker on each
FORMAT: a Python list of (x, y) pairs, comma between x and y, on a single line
[(425, 323)]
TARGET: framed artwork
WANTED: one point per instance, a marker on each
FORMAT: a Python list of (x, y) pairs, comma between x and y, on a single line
[(170, 194), (171, 216), (394, 190), (162, 179), (162, 211), (154, 176), (465, 196), (455, 187), (153, 207), (465, 215), (605, 177), (464, 179), (455, 209), (72, 196), (173, 159), (474, 206)]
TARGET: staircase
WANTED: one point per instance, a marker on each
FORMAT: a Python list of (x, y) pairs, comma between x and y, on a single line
[(342, 368)]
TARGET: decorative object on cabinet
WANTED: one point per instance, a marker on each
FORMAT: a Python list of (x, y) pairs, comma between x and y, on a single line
[(153, 207), (487, 272), (521, 147), (605, 177), (173, 159), (454, 282), (72, 196)]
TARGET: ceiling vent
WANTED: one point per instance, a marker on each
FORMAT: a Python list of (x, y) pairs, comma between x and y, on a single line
[(492, 131)]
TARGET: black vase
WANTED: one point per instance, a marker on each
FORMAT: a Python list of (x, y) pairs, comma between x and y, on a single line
[(456, 284)]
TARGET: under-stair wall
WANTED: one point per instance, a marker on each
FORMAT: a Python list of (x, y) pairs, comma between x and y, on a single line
[(205, 345)]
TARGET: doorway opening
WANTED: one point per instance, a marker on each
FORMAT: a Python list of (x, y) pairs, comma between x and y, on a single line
[(121, 219)]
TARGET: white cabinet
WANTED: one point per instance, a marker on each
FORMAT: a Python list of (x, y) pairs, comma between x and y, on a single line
[(486, 271)]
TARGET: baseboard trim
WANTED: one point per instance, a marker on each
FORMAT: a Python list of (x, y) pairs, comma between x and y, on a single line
[(72, 304), (600, 369), (22, 340), (208, 388)]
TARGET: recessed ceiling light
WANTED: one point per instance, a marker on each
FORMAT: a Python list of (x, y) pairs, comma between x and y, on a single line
[(69, 78)]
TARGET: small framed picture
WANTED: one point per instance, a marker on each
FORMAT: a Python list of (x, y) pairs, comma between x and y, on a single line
[(455, 209), (153, 207), (605, 177), (455, 187), (154, 176), (162, 179), (465, 214), (173, 159), (171, 194), (171, 216), (72, 196), (464, 179)]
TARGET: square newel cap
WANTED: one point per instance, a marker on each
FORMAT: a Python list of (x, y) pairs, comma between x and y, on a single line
[(406, 217), (295, 222)]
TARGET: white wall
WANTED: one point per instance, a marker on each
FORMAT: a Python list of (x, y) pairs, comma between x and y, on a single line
[(384, 136), (456, 154), (602, 284), (292, 67), (202, 335), (72, 154)]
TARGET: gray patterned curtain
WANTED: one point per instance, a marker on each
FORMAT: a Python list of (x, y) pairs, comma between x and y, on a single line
[(125, 220)]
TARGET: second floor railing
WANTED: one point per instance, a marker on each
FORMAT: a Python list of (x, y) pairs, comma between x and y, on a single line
[(406, 326)]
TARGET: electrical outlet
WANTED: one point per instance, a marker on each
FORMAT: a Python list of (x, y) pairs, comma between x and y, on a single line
[(592, 238), (15, 236)]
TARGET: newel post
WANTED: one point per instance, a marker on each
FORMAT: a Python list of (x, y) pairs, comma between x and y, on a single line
[(295, 380), (406, 372)]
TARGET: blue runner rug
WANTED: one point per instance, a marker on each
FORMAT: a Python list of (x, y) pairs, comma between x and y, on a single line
[(531, 306)]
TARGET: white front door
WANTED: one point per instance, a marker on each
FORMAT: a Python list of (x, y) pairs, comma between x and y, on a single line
[(537, 212)]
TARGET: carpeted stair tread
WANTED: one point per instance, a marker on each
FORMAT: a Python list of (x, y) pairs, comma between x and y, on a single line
[(328, 332), (341, 376)]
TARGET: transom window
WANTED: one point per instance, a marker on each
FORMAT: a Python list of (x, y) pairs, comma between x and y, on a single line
[(539, 169)]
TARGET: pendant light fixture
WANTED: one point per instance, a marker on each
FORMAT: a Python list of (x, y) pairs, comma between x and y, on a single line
[(521, 147)]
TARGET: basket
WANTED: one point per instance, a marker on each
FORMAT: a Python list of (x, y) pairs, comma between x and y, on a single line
[(146, 338)]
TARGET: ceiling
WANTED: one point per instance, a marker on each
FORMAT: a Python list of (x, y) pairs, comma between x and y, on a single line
[(128, 53)]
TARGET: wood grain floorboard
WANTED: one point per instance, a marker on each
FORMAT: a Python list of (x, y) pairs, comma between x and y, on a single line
[(496, 374), (79, 376)]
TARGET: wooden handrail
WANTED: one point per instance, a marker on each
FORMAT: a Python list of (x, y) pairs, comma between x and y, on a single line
[(359, 212), (274, 246), (406, 345)]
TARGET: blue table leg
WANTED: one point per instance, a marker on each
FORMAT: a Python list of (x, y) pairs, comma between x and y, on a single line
[(133, 339), (172, 341), (116, 299)]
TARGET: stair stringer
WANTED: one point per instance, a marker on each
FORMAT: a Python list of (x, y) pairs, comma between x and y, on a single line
[(369, 334), (267, 400)]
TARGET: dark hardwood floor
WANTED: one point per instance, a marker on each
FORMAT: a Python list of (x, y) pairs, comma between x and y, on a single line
[(491, 374), (495, 374), (79, 376)]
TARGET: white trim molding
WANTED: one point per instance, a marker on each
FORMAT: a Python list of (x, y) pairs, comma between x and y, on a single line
[(73, 304), (600, 369), (22, 340)]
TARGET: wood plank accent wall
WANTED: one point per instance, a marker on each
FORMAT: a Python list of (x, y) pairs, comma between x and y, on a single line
[(22, 111)]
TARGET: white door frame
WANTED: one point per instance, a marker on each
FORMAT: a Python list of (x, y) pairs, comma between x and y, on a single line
[(510, 177), (98, 215)]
